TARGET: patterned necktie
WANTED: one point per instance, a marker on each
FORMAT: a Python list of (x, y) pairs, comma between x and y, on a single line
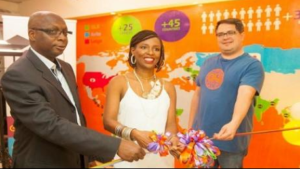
[(54, 71)]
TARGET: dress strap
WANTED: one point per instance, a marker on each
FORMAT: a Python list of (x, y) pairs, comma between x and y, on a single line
[(125, 76), (163, 84)]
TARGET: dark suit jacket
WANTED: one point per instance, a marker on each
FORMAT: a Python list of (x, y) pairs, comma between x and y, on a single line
[(47, 134)]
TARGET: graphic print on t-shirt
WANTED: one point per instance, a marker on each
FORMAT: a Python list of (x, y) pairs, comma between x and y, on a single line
[(214, 79)]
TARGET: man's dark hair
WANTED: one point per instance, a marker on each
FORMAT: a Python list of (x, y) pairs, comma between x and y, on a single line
[(234, 21)]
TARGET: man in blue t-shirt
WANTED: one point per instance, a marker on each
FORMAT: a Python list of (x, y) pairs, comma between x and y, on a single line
[(224, 98)]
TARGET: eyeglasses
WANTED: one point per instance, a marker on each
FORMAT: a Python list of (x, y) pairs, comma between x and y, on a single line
[(228, 33), (53, 32)]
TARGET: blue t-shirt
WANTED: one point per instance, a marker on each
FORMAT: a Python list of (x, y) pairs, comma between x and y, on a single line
[(219, 80)]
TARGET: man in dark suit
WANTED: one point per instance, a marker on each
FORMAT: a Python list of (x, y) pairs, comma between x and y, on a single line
[(50, 127)]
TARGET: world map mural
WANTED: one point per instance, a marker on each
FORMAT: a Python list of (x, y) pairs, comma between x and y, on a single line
[(272, 36)]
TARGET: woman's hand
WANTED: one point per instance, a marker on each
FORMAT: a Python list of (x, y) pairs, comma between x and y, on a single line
[(176, 147), (142, 137)]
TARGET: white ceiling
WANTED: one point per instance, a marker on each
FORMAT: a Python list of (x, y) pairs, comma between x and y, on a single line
[(91, 7), (14, 1)]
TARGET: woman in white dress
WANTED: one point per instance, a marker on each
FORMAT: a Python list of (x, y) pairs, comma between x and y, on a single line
[(139, 103)]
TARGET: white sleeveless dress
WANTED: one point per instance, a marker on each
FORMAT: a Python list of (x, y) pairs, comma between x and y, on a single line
[(144, 114)]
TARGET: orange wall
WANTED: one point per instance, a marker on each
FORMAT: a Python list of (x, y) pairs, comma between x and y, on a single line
[(269, 150)]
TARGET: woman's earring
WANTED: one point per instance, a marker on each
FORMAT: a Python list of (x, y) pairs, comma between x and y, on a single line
[(156, 66), (163, 63), (132, 60)]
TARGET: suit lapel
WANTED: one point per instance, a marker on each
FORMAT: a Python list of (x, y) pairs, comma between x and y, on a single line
[(47, 75), (51, 79), (69, 76), (71, 83)]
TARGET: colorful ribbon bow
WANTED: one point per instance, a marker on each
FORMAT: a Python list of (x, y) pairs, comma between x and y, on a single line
[(160, 143), (199, 150)]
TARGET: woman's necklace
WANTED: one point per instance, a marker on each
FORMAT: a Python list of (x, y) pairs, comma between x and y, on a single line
[(155, 87)]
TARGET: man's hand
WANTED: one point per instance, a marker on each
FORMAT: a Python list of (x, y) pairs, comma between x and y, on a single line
[(227, 132), (129, 151)]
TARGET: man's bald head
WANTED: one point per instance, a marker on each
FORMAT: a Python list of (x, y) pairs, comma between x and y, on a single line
[(38, 18), (47, 33)]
